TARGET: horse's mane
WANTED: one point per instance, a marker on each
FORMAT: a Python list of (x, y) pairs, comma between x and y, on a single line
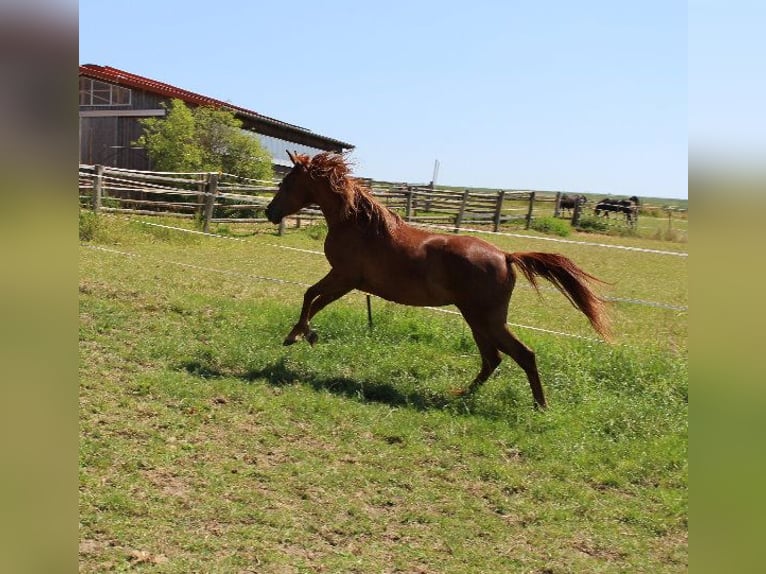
[(358, 202)]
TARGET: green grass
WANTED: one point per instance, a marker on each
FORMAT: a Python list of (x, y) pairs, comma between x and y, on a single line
[(207, 446)]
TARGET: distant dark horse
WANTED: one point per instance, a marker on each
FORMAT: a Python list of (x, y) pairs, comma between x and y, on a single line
[(372, 249), (569, 202), (628, 207)]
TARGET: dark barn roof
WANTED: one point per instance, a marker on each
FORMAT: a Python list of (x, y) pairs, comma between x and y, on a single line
[(251, 120)]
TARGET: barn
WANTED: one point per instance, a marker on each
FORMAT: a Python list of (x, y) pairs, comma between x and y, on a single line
[(113, 101)]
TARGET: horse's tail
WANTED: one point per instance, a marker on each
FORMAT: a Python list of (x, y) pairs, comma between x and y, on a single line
[(568, 278)]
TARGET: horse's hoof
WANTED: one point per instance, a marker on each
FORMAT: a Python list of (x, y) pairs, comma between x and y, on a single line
[(289, 341), (458, 392), (312, 338)]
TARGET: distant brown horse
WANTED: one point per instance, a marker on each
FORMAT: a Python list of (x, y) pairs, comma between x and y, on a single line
[(373, 250), (569, 202)]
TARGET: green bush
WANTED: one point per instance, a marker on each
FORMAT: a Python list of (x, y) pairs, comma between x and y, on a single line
[(203, 139), (593, 225), (551, 225)]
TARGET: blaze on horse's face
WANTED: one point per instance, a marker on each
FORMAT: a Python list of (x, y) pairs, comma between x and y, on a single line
[(293, 193)]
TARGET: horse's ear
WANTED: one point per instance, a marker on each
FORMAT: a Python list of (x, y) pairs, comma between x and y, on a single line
[(292, 157)]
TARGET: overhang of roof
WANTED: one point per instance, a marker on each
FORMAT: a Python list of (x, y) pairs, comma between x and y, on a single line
[(123, 78)]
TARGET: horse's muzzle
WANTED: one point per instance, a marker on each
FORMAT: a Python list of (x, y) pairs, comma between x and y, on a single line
[(272, 215)]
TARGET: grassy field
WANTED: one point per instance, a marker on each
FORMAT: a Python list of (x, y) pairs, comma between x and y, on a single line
[(206, 446)]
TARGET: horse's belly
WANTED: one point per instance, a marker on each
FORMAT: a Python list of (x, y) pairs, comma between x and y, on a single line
[(417, 292)]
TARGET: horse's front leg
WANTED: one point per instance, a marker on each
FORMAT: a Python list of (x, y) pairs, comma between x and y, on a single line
[(302, 328), (331, 287)]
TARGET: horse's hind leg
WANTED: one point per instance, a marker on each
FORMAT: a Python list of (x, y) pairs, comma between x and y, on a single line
[(490, 359), (525, 358), (492, 335)]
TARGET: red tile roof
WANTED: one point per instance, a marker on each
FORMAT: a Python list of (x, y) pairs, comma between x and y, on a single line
[(123, 78)]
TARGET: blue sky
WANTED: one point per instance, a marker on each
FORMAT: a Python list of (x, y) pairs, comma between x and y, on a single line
[(575, 96)]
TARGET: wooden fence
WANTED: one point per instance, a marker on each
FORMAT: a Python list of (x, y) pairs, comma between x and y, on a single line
[(208, 197), (217, 198)]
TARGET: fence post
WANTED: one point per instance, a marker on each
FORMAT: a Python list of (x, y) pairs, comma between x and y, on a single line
[(498, 209), (576, 213), (531, 207), (98, 186), (369, 311), (199, 210), (430, 196), (557, 205), (211, 188), (408, 209), (461, 213)]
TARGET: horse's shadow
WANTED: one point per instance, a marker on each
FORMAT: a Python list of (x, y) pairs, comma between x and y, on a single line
[(279, 374)]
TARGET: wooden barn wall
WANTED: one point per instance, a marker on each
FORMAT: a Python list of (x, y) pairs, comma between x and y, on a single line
[(109, 141)]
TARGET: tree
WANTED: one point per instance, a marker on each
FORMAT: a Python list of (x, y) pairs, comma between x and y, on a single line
[(203, 139)]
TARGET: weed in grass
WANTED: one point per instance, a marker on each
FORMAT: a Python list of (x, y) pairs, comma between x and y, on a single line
[(89, 225)]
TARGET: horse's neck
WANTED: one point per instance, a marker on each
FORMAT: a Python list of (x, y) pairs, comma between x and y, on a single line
[(330, 204), (365, 216)]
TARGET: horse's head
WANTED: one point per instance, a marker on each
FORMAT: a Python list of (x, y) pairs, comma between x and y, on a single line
[(295, 190)]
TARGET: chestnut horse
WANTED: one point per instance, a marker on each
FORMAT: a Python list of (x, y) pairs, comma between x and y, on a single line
[(372, 249)]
